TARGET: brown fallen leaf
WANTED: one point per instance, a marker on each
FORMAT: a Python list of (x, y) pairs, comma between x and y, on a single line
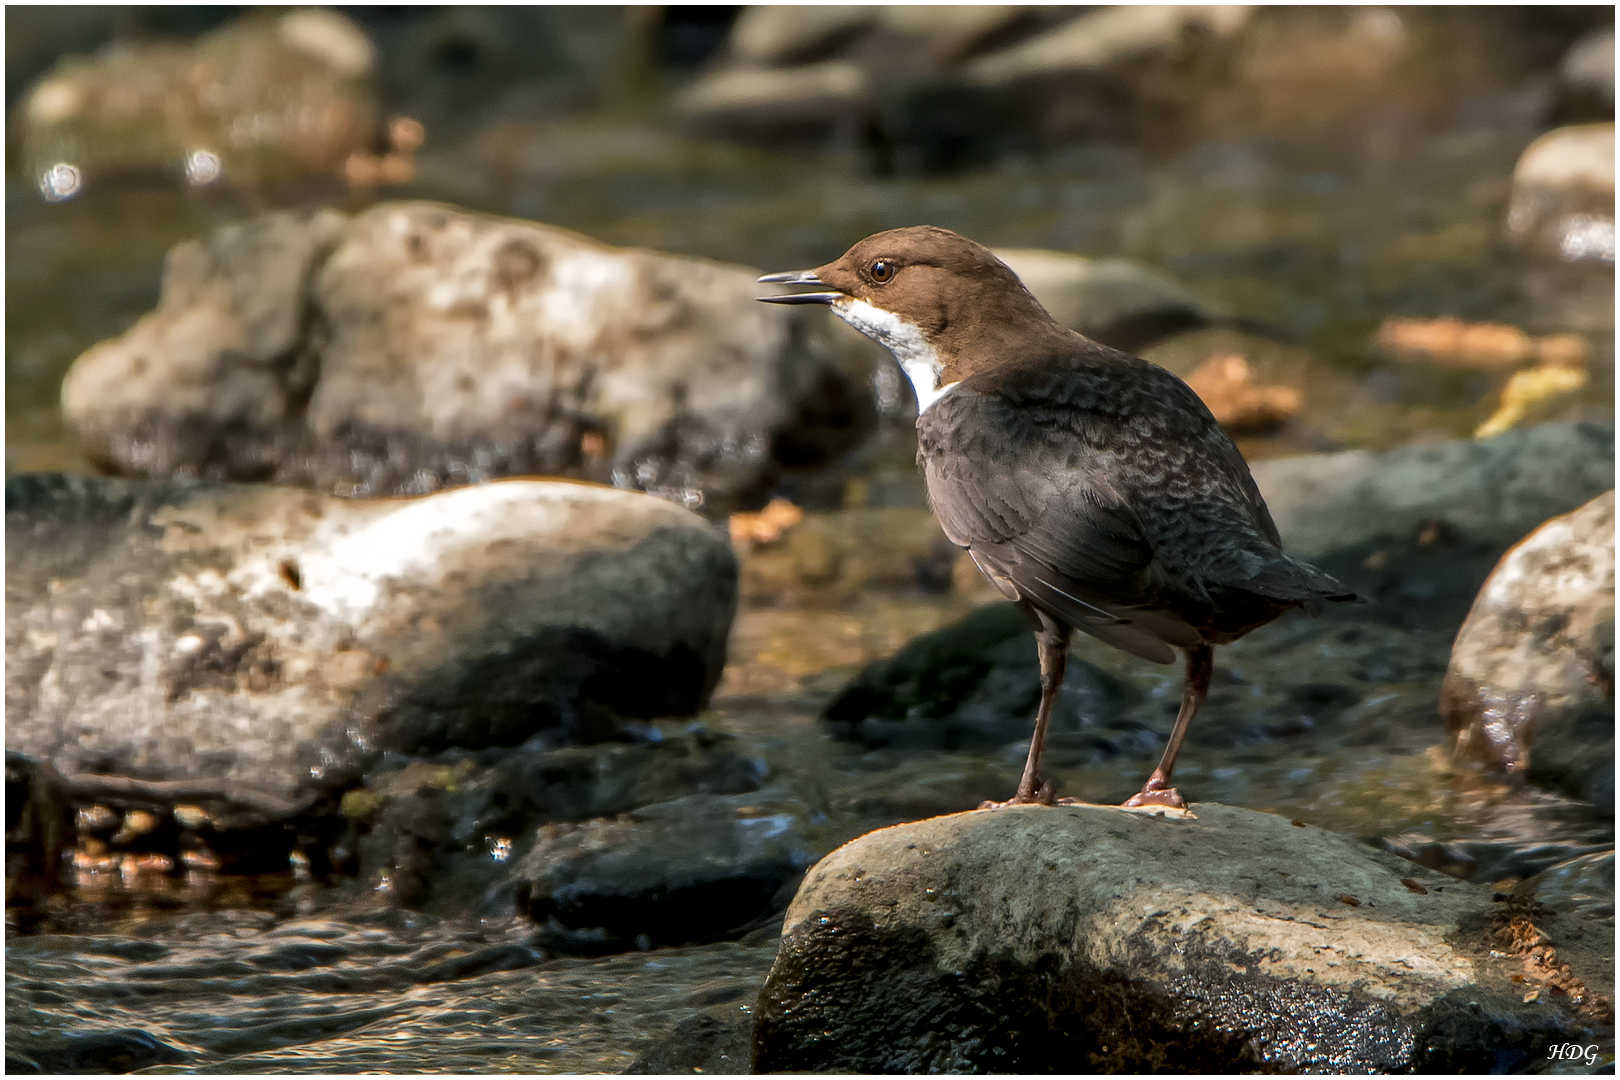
[(1414, 886), (1226, 384), (1480, 345), (1346, 898), (766, 526)]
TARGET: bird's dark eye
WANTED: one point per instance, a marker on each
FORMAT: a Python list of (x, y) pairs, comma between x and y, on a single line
[(882, 271)]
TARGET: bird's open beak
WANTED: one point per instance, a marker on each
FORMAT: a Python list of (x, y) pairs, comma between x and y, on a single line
[(798, 277)]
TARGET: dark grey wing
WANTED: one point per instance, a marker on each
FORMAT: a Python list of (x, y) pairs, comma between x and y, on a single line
[(1019, 496)]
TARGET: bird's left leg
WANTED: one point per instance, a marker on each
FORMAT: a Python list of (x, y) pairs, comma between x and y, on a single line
[(1053, 641), (1157, 791)]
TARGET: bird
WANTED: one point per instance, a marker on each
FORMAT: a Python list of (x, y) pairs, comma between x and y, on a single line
[(1091, 487)]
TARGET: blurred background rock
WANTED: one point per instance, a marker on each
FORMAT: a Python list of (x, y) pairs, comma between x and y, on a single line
[(1292, 175)]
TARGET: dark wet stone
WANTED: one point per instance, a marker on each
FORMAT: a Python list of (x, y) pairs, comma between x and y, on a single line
[(436, 832), (1089, 939), (39, 829), (700, 1044), (702, 868), (121, 1051)]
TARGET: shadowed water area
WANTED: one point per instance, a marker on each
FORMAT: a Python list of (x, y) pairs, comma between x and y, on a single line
[(1302, 252)]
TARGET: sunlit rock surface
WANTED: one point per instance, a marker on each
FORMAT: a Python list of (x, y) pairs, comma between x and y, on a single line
[(1530, 688), (1090, 939), (418, 346), (252, 647)]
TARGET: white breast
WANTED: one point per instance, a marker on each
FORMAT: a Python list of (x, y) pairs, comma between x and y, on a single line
[(905, 340)]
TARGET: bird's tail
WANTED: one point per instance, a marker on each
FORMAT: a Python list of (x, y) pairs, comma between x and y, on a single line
[(1288, 579)]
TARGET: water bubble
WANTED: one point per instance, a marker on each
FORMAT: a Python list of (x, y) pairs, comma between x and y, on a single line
[(202, 167), (60, 182)]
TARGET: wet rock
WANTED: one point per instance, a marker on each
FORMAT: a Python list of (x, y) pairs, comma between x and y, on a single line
[(1492, 492), (975, 685), (266, 99), (828, 78), (701, 1044), (768, 35), (250, 648), (1074, 82), (1582, 886), (1560, 222), (438, 832), (1040, 939), (209, 381), (700, 868), (1115, 301), (1530, 689), (418, 346), (39, 829)]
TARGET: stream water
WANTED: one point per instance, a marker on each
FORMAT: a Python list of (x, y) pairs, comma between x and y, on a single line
[(278, 975)]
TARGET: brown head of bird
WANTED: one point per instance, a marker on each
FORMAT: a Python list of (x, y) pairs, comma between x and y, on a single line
[(945, 306)]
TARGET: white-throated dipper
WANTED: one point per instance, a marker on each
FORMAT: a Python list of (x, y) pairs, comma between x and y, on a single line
[(1092, 487)]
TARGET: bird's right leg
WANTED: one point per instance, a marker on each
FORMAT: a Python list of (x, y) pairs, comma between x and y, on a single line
[(1157, 791), (1052, 639)]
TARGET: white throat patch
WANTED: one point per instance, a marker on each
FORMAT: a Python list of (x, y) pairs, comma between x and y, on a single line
[(905, 340)]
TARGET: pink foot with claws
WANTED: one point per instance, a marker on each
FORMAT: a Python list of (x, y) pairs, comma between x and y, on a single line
[(1156, 793)]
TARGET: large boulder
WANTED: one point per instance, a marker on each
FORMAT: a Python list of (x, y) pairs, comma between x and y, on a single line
[(1039, 939), (268, 98), (252, 647), (417, 346), (1530, 688)]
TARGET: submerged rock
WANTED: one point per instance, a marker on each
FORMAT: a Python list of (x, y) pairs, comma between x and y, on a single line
[(1085, 938), (1530, 688), (439, 832), (250, 648), (700, 868), (266, 99), (704, 1043), (417, 346)]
